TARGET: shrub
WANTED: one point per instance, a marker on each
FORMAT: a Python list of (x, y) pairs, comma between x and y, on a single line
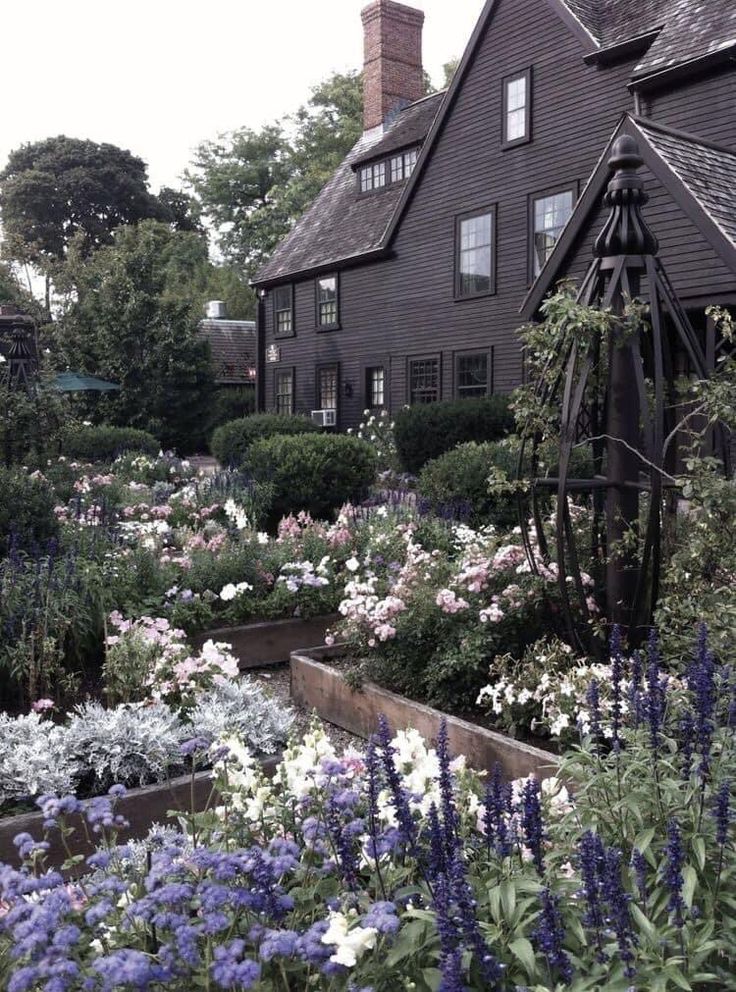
[(427, 431), (26, 510), (104, 443), (458, 480), (317, 473), (231, 443), (230, 404)]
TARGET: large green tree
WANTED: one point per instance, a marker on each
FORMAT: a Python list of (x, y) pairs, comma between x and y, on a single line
[(60, 189), (131, 315), (254, 184)]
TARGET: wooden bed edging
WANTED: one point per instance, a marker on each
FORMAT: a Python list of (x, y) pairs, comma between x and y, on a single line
[(316, 685), (141, 807), (270, 642)]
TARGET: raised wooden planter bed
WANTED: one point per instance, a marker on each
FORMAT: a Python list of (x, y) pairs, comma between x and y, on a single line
[(270, 642), (323, 688), (141, 807)]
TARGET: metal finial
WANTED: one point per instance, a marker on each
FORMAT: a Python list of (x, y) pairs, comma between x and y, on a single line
[(625, 232)]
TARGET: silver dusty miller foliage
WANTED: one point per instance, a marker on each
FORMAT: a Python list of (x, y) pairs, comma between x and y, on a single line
[(242, 709)]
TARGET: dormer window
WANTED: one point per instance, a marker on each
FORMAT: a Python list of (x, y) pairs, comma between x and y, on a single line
[(372, 177), (388, 171)]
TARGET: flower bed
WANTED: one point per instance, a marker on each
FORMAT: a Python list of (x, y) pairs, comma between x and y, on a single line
[(141, 808), (270, 642), (320, 686)]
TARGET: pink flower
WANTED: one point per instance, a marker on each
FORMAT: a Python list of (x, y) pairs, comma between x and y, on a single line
[(41, 705)]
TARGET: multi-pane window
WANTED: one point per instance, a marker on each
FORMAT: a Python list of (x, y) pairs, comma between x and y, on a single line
[(550, 214), (403, 165), (372, 177), (424, 380), (516, 106), (474, 265), (327, 301), (327, 388), (472, 375), (283, 309), (284, 389), (376, 386)]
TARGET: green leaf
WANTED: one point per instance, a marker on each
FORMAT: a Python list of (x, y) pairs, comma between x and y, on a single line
[(508, 898), (644, 924), (644, 839), (699, 849), (494, 899), (690, 881), (433, 978), (523, 951), (676, 976)]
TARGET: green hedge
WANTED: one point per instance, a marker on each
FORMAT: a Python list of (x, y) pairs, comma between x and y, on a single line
[(317, 473), (104, 443), (26, 510), (429, 430), (458, 480), (231, 442), (231, 403)]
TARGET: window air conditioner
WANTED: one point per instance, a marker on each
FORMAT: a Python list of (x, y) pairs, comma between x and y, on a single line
[(324, 418)]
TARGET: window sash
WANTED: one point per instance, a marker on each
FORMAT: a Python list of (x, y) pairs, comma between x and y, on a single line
[(284, 392), (475, 255), (550, 214), (327, 312), (327, 390), (283, 305), (472, 375), (424, 380), (516, 107), (376, 386)]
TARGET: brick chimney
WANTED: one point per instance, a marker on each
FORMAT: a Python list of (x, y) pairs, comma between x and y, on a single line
[(392, 73)]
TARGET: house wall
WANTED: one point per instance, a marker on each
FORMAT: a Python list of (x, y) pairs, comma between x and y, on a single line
[(706, 107), (405, 306)]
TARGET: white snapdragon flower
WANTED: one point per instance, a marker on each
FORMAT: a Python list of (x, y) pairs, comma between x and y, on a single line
[(231, 591), (350, 944)]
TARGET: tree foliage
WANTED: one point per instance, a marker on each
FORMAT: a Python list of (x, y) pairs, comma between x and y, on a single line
[(254, 184), (131, 316), (61, 189)]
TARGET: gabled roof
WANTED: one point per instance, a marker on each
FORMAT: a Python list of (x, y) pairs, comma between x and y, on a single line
[(343, 224), (233, 349), (700, 175)]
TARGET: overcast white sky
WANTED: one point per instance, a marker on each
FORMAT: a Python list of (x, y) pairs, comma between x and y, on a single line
[(159, 76)]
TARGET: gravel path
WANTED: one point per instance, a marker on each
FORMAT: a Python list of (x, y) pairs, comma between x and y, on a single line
[(277, 680)]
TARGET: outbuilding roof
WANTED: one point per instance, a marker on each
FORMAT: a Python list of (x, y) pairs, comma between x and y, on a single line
[(233, 349)]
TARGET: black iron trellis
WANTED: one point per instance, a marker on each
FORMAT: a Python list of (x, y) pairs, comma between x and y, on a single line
[(631, 430)]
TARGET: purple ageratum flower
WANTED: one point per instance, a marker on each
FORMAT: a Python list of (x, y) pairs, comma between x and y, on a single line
[(722, 813), (128, 967), (382, 916), (230, 971), (549, 936), (278, 944), (195, 745), (672, 872), (532, 823)]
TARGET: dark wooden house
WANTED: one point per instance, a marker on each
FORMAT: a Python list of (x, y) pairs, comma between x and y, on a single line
[(456, 213)]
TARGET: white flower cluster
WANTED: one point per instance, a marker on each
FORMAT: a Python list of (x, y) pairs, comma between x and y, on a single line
[(237, 515), (230, 592), (297, 574)]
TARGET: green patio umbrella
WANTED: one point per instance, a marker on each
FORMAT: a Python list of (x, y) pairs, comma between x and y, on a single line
[(75, 382)]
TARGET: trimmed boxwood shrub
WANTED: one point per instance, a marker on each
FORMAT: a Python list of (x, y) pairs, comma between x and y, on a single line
[(458, 480), (26, 510), (104, 443), (317, 473), (231, 442), (429, 430)]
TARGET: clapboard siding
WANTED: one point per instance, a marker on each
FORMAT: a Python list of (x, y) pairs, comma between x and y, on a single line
[(404, 305), (705, 106)]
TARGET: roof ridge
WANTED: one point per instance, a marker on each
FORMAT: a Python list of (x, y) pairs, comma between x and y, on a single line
[(674, 132)]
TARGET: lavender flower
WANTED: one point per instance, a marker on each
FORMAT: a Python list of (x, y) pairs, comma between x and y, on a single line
[(701, 681), (616, 678), (549, 936), (654, 700), (721, 813), (449, 814), (407, 825), (591, 857), (674, 860), (592, 698), (496, 809), (618, 908), (641, 870), (532, 822)]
